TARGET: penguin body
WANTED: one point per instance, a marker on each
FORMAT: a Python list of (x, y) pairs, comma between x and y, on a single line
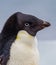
[(24, 50), (18, 44)]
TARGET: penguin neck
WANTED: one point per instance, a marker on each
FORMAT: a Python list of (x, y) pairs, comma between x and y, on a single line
[(26, 39)]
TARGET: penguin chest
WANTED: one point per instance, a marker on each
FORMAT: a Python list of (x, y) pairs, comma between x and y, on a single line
[(21, 54)]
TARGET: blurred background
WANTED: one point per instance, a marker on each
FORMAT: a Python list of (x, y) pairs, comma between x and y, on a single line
[(43, 9)]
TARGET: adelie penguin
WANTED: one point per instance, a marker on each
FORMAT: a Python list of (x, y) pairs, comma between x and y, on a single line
[(18, 43)]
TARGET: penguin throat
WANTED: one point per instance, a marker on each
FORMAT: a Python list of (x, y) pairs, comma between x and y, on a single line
[(25, 38)]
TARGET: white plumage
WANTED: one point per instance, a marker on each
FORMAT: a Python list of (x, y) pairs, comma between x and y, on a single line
[(24, 50)]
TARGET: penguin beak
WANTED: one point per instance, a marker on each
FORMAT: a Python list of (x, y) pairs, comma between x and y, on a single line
[(45, 24)]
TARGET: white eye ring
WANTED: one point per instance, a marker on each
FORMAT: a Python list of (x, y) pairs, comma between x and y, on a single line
[(26, 24)]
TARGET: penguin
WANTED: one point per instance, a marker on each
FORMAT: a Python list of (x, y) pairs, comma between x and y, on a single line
[(18, 43)]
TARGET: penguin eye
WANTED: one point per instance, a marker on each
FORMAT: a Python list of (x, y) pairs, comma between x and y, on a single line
[(27, 24)]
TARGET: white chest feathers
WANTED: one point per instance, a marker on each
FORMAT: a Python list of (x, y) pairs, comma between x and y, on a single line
[(24, 50)]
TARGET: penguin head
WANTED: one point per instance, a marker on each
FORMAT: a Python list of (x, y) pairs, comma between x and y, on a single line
[(26, 22)]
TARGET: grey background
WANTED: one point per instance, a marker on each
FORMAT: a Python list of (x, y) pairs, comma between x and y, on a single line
[(43, 9)]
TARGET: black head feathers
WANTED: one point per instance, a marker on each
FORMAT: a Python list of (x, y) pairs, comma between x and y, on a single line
[(20, 21)]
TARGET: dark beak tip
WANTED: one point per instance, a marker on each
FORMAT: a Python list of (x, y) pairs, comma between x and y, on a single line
[(46, 24)]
